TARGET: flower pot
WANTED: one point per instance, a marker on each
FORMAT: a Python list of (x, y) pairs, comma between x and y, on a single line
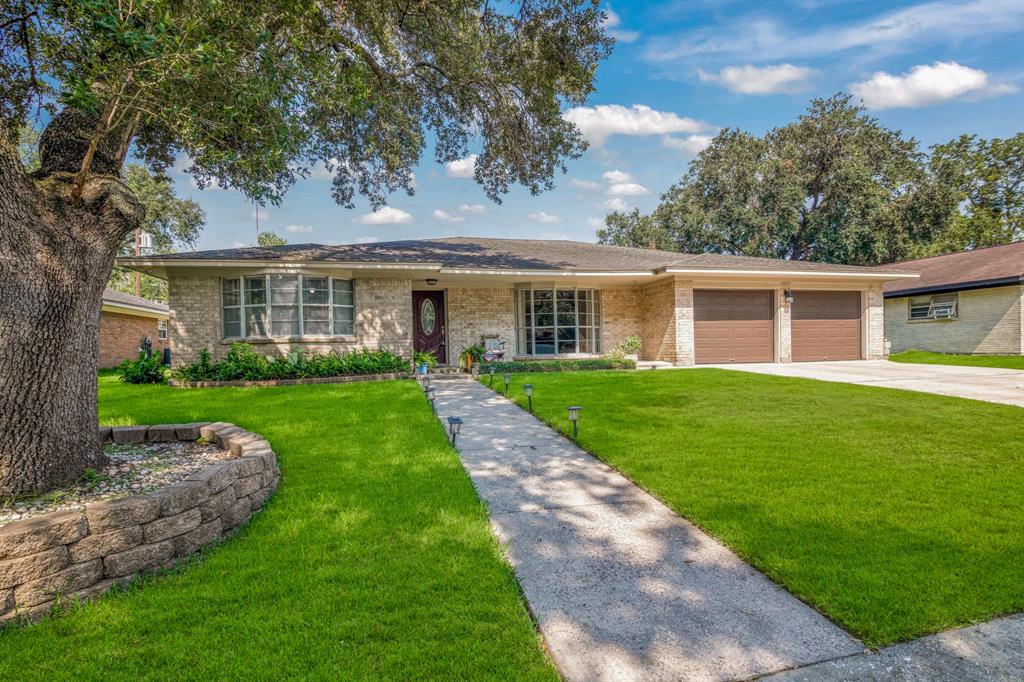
[(422, 368)]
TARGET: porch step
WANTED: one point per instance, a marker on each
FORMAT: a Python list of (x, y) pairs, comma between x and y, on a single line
[(653, 364)]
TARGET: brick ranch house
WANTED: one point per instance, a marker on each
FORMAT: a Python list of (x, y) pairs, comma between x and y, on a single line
[(125, 322), (966, 302), (539, 298)]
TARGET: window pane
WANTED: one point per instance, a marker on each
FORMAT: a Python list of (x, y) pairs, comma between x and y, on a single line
[(546, 320), (255, 321), (545, 341), (255, 291), (315, 291), (229, 292), (343, 292), (284, 289), (566, 319), (344, 320), (284, 320)]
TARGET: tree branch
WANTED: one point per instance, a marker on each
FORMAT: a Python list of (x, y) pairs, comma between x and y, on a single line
[(18, 20)]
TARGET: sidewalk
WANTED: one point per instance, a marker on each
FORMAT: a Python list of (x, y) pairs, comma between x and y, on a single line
[(623, 588)]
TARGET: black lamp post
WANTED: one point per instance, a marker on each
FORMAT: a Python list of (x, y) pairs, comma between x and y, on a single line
[(454, 427), (574, 417), (430, 396), (507, 377), (529, 395)]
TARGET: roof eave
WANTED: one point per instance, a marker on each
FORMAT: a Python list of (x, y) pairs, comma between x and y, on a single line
[(957, 286), (810, 274)]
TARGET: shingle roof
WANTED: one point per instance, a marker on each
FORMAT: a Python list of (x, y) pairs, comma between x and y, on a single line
[(962, 270), (118, 297), (505, 254)]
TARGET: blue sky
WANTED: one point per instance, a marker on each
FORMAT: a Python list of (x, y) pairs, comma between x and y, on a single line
[(679, 72)]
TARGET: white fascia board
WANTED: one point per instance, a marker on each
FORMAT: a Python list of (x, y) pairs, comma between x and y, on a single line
[(129, 309), (794, 273), (203, 263), (547, 273)]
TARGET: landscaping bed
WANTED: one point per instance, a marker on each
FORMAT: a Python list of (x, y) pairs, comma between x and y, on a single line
[(375, 561), (290, 382), (561, 365), (922, 357), (895, 513)]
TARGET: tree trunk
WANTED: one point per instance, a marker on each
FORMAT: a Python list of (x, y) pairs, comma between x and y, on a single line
[(55, 258)]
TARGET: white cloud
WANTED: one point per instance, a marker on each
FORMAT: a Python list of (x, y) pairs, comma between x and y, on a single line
[(627, 189), (545, 218), (472, 208), (930, 23), (612, 21), (214, 186), (595, 222), (263, 213), (461, 168), (600, 122), (692, 144), (925, 85), (299, 228), (447, 217), (367, 239), (616, 204), (617, 176), (761, 80), (585, 185), (384, 216)]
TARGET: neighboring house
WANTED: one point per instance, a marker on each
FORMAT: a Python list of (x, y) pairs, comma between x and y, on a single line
[(966, 302), (126, 322), (541, 298)]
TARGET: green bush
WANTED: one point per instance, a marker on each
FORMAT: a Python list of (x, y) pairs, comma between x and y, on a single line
[(243, 362), (144, 370), (566, 365)]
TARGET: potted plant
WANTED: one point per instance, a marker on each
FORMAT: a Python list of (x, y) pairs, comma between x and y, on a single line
[(424, 361), (471, 355), (630, 347)]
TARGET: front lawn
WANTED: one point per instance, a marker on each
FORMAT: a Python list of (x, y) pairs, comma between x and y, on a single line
[(895, 513), (374, 560), (923, 357)]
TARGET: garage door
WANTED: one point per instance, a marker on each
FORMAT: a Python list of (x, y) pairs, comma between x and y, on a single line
[(826, 325), (733, 326)]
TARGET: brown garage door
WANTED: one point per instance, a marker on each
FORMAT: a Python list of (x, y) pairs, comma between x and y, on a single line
[(733, 326), (826, 325)]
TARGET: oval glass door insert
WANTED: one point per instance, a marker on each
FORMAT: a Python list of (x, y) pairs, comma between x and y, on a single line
[(428, 317)]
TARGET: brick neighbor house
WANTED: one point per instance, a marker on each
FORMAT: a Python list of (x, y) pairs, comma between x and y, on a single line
[(125, 322), (539, 299), (966, 302)]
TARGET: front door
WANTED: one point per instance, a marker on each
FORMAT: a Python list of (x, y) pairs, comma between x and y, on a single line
[(428, 324)]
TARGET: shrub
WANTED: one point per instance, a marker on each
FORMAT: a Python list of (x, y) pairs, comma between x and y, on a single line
[(421, 357), (144, 370), (630, 345), (564, 365), (242, 362)]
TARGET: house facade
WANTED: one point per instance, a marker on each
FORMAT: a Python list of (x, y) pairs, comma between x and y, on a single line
[(537, 299), (967, 302), (126, 322)]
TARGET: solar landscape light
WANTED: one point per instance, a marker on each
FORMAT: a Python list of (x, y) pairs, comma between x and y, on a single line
[(431, 397), (492, 376), (508, 378), (574, 417), (529, 395), (454, 428)]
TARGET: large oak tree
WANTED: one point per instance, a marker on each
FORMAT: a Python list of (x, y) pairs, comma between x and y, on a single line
[(256, 94)]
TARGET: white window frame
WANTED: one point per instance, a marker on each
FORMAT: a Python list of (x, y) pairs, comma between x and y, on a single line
[(243, 304), (595, 326), (161, 330), (933, 308)]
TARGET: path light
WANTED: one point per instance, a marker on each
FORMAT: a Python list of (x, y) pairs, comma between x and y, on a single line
[(529, 395), (454, 427), (508, 377), (426, 382), (431, 397), (574, 417), (492, 376)]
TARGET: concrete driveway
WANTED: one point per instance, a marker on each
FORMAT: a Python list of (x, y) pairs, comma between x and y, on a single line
[(978, 383)]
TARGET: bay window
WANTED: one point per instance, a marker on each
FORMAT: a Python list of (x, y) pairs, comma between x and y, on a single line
[(292, 306), (554, 320)]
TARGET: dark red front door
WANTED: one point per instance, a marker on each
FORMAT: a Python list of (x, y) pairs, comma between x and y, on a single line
[(428, 323)]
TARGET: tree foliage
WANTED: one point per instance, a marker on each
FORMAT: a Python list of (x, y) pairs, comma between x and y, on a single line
[(834, 186), (258, 93), (269, 238)]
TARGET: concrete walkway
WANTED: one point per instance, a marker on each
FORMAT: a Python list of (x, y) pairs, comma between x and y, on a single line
[(979, 653), (991, 384), (623, 588)]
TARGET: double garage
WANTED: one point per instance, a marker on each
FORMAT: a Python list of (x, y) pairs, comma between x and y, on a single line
[(735, 325)]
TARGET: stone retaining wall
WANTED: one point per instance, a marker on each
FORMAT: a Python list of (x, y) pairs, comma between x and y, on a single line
[(58, 558)]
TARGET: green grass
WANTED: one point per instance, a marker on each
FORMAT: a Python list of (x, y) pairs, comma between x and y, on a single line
[(374, 559), (923, 357), (895, 513)]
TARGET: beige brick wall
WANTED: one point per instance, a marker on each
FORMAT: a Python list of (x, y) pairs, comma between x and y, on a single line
[(685, 345), (121, 337), (475, 311), (383, 320), (783, 325), (989, 321), (874, 311), (620, 316)]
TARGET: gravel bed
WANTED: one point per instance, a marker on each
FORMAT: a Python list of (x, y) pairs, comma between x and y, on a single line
[(132, 469)]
